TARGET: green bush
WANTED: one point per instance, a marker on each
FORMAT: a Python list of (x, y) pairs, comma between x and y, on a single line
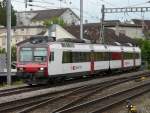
[(144, 44), (54, 20)]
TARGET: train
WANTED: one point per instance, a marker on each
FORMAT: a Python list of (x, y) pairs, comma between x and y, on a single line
[(41, 60)]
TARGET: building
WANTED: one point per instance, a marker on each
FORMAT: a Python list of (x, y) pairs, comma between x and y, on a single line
[(135, 28), (19, 34), (91, 34), (145, 26), (130, 30), (115, 32), (37, 17)]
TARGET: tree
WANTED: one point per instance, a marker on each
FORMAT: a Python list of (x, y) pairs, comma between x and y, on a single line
[(2, 51), (3, 14), (144, 44), (54, 20)]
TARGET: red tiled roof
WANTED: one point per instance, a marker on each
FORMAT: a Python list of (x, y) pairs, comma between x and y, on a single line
[(91, 32), (140, 22)]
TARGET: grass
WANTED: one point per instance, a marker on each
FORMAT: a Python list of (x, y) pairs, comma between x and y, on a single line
[(14, 83)]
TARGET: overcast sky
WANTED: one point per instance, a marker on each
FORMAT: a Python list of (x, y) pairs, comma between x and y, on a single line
[(92, 8)]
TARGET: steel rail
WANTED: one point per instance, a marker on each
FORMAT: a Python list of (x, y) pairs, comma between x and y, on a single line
[(87, 90), (73, 91), (104, 103), (23, 89)]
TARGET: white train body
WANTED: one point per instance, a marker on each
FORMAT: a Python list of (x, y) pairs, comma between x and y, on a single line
[(57, 67), (65, 59)]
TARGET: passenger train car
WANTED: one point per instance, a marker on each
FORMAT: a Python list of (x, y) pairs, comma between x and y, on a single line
[(39, 63)]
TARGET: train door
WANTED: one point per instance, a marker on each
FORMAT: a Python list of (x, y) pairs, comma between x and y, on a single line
[(92, 62)]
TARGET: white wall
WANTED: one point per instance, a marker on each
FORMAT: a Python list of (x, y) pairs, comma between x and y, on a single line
[(19, 34), (24, 18), (60, 32), (132, 32), (69, 17)]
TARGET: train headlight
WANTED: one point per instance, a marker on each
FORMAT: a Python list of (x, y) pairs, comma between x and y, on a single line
[(21, 69), (41, 68)]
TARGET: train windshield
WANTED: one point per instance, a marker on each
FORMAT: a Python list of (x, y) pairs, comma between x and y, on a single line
[(40, 54), (33, 54), (26, 54)]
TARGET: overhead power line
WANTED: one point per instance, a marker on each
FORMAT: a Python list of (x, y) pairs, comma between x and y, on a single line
[(127, 9), (43, 1), (120, 10), (88, 15)]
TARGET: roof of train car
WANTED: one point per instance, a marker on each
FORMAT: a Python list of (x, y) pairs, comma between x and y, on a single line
[(84, 46), (97, 47), (45, 41)]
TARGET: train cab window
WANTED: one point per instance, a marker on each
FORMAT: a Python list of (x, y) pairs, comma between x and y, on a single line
[(26, 54), (40, 54), (51, 58)]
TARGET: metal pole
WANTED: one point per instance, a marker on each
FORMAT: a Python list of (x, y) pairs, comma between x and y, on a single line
[(81, 19), (26, 5), (9, 42), (102, 25)]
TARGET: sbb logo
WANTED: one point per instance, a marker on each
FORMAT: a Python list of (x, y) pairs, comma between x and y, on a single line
[(127, 63), (76, 67)]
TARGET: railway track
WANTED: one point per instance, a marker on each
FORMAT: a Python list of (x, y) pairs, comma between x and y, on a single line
[(75, 95), (7, 92), (18, 90), (11, 91), (66, 98), (101, 104)]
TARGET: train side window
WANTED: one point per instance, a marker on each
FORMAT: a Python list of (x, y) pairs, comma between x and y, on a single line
[(67, 57), (128, 55), (82, 57), (106, 56), (51, 58), (79, 57), (88, 56), (101, 56), (137, 55), (75, 57)]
